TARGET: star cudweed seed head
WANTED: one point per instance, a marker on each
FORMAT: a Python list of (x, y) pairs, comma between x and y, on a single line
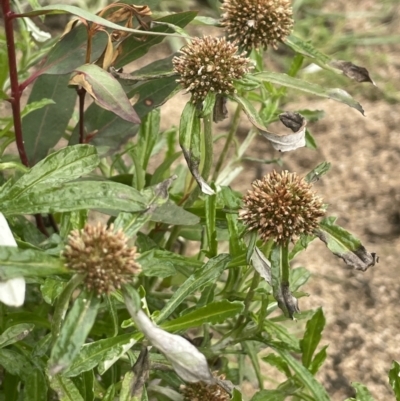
[(204, 392), (257, 23), (210, 65), (103, 255), (282, 207)]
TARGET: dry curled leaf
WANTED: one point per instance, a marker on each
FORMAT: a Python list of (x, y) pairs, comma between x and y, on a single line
[(359, 74), (262, 265), (286, 301)]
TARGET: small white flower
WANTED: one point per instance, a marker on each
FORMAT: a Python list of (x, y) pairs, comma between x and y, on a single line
[(12, 292)]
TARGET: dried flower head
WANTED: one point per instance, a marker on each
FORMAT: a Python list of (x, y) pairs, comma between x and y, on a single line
[(103, 255), (210, 65), (257, 23), (204, 392), (281, 206)]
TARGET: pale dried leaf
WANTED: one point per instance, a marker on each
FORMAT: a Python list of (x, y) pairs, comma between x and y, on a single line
[(262, 265), (12, 292), (190, 364)]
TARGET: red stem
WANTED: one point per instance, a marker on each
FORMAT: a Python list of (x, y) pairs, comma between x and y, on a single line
[(15, 90), (81, 96)]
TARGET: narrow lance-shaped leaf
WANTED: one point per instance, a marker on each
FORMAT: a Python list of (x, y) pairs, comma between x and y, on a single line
[(15, 333), (12, 291), (304, 376), (65, 389), (394, 379), (107, 351), (337, 94), (347, 68), (77, 196), (15, 262), (189, 140), (105, 90), (312, 336), (86, 15), (213, 313), (64, 165), (362, 393), (35, 385), (204, 275), (344, 245), (73, 334)]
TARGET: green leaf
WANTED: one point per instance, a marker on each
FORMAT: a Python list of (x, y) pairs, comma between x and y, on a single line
[(43, 128), (154, 267), (231, 202), (132, 49), (65, 389), (280, 332), (269, 395), (79, 12), (73, 333), (298, 277), (318, 172), (279, 363), (35, 386), (105, 351), (15, 333), (110, 130), (70, 52), (213, 313), (147, 137), (362, 393), (318, 360), (337, 94), (64, 165), (51, 289), (236, 395), (16, 262), (77, 196), (13, 362), (394, 379), (312, 336), (171, 213), (304, 375), (344, 245), (189, 141), (105, 90), (204, 275), (85, 385)]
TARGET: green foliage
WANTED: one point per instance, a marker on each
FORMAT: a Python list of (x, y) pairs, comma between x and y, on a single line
[(209, 295)]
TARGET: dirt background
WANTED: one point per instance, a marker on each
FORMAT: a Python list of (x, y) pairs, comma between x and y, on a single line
[(362, 190)]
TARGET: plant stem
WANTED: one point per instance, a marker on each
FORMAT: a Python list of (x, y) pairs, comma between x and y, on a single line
[(229, 138), (81, 96), (285, 264), (16, 92)]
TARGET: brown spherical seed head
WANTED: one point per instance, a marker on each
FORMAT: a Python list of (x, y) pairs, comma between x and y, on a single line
[(204, 392), (282, 207), (103, 255), (210, 64), (257, 23)]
